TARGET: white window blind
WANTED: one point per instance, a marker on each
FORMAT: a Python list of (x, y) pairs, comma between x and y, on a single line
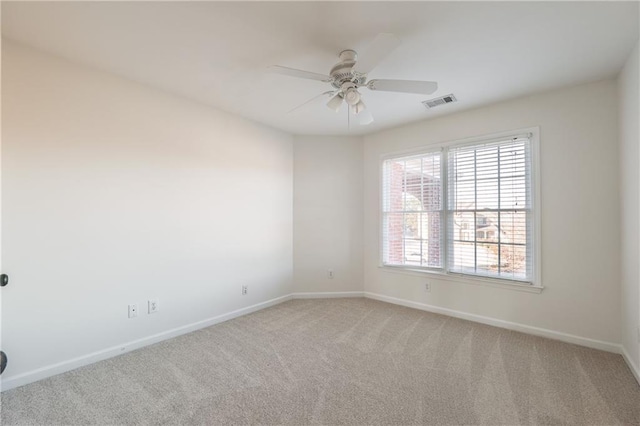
[(489, 209), (412, 211)]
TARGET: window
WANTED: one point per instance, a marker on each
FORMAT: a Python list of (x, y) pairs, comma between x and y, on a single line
[(412, 211), (489, 184), (467, 208)]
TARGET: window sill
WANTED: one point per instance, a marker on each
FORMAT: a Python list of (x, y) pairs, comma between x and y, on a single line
[(465, 279)]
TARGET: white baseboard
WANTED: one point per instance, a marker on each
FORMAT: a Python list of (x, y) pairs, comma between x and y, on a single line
[(62, 367), (632, 365), (327, 294), (543, 332), (52, 370)]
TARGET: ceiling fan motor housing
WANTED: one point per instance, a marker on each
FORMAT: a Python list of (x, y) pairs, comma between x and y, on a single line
[(342, 72)]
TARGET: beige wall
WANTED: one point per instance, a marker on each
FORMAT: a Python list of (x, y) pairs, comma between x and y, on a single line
[(579, 213), (115, 193), (328, 213), (629, 93)]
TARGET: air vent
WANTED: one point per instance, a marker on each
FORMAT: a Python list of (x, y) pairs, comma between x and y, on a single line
[(447, 99)]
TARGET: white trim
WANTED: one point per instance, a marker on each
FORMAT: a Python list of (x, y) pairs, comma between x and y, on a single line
[(536, 331), (327, 294), (536, 203), (436, 146), (464, 279), (632, 366), (64, 366)]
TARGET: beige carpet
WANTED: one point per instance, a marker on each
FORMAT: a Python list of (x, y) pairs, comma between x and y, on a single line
[(340, 361)]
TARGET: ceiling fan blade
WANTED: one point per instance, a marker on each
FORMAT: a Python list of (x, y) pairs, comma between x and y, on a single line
[(404, 86), (315, 98), (364, 116), (336, 102), (292, 72), (381, 46)]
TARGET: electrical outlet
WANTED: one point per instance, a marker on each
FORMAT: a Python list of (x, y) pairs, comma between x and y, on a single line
[(245, 289), (330, 274), (153, 306), (133, 310), (427, 287)]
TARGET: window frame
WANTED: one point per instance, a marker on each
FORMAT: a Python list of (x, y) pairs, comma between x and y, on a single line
[(535, 284)]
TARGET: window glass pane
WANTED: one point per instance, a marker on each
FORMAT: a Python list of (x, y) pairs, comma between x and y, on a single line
[(465, 196), (514, 227), (412, 225), (392, 238), (431, 238), (487, 227), (393, 194), (410, 200), (514, 262), (512, 159), (513, 192), (487, 194), (487, 258), (413, 251), (463, 228), (432, 195), (463, 257)]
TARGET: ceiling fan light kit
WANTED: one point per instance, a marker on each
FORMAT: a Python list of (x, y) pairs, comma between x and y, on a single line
[(335, 102), (352, 96), (350, 74), (365, 117)]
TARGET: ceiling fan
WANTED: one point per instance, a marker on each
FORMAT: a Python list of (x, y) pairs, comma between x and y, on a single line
[(350, 74)]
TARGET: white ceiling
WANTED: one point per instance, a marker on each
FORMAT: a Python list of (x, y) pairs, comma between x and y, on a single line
[(216, 52)]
